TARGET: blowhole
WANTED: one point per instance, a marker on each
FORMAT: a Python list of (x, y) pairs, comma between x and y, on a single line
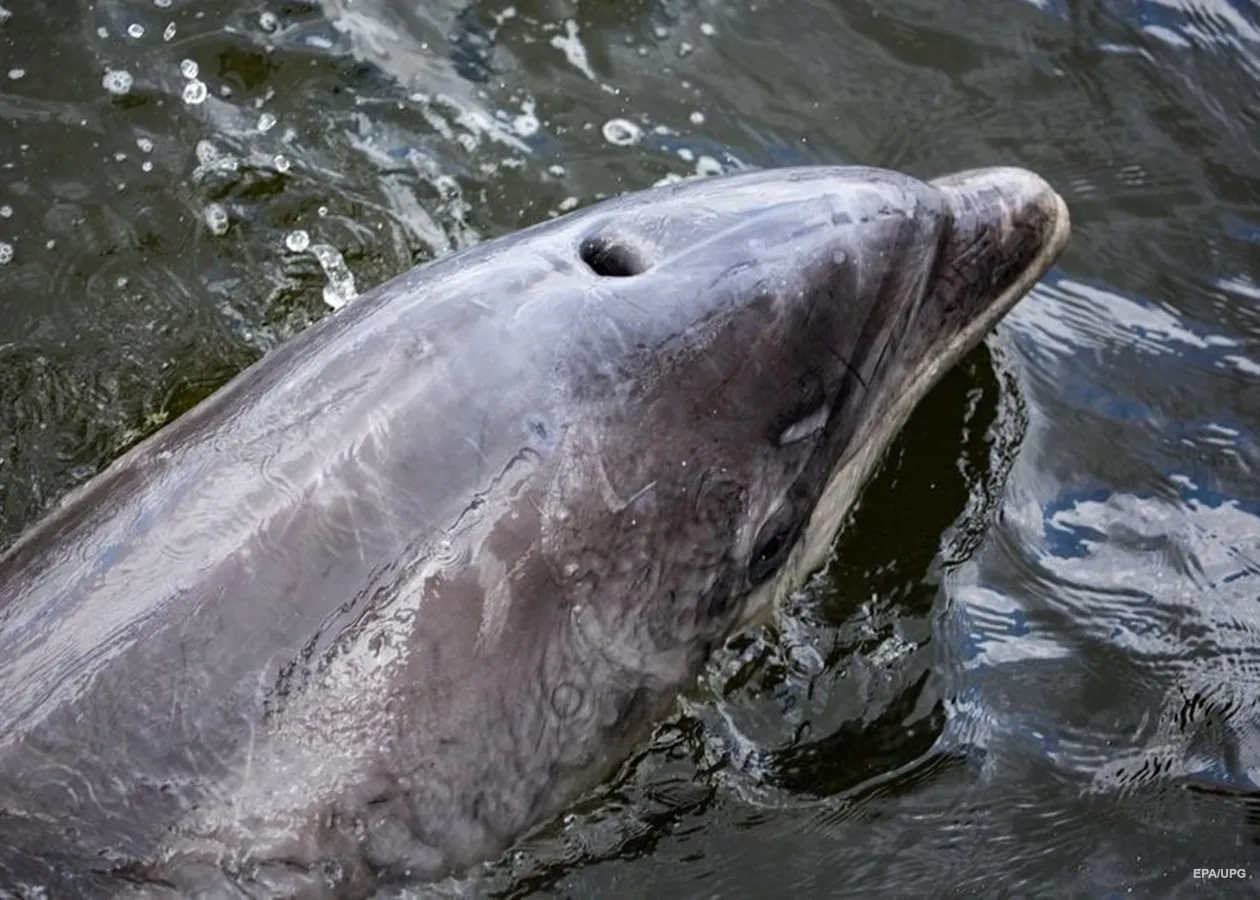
[(611, 258)]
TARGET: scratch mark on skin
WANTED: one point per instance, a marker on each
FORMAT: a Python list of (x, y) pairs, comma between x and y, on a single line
[(477, 447), (609, 494), (640, 492)]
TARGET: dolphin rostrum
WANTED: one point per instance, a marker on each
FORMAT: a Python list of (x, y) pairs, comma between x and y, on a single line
[(414, 581)]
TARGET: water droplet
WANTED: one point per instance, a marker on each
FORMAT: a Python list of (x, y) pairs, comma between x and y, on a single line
[(15, 74), (525, 125), (169, 31), (707, 165), (267, 21), (146, 166), (135, 30), (266, 122), (161, 4), (189, 68), (685, 48), (195, 92), (6, 211), (6, 253), (282, 164), (145, 145), (707, 29), (696, 118), (216, 219), (297, 241), (117, 81), (621, 132), (340, 289), (207, 153)]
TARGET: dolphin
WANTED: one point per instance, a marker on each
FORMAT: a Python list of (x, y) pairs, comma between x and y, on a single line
[(417, 579)]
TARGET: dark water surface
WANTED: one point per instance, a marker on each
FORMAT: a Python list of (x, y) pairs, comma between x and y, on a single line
[(1033, 668)]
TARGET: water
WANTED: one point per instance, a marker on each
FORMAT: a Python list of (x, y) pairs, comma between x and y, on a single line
[(1033, 667)]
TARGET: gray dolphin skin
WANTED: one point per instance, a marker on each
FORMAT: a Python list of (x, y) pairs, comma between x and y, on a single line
[(416, 580)]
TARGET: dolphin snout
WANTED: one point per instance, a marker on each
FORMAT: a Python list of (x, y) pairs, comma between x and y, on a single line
[(1013, 208)]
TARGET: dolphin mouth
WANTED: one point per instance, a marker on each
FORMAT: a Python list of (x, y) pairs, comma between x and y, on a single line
[(1007, 227), (1004, 214)]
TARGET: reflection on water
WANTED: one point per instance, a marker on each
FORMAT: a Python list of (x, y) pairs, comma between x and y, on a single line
[(1032, 667)]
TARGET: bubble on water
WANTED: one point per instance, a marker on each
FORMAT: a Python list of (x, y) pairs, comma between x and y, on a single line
[(195, 92), (696, 118), (556, 171), (266, 122), (340, 289), (686, 154), (161, 4), (145, 145), (323, 211), (685, 48), (120, 156), (169, 31), (121, 282), (4, 15), (282, 163), (6, 211), (146, 166), (567, 204), (135, 30), (297, 241), (216, 219), (621, 132), (15, 74), (189, 68), (660, 31), (117, 81), (6, 253), (267, 21), (707, 29)]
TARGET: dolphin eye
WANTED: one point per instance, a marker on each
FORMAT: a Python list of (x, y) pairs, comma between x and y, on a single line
[(774, 543), (609, 258)]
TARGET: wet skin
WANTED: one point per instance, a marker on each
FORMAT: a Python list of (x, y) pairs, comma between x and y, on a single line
[(413, 582)]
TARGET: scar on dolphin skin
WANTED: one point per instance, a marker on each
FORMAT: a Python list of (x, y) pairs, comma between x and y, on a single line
[(626, 434)]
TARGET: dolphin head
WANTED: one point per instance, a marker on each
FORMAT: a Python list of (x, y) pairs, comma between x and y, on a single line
[(746, 349)]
